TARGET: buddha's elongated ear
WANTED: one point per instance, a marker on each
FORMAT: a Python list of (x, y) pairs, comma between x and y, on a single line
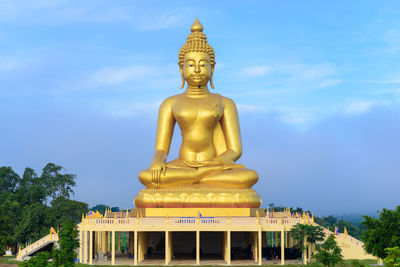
[(183, 78), (211, 76)]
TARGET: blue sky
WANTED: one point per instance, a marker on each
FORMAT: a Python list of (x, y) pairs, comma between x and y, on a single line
[(317, 85)]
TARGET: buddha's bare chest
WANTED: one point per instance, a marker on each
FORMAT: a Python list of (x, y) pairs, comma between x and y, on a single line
[(202, 112)]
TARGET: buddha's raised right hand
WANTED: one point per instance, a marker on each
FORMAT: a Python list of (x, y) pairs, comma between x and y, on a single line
[(156, 169)]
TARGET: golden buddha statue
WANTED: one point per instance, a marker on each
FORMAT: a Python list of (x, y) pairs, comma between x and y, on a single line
[(205, 173)]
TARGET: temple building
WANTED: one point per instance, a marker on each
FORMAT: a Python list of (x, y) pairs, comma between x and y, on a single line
[(199, 207)]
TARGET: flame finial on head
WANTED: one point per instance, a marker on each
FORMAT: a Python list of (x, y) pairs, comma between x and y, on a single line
[(197, 27)]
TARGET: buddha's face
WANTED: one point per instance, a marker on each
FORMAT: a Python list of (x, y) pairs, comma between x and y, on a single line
[(197, 69)]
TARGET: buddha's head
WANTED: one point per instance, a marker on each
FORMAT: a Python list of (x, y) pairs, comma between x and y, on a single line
[(196, 58)]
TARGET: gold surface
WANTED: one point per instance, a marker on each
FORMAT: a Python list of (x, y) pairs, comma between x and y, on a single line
[(211, 142), (205, 212), (197, 197)]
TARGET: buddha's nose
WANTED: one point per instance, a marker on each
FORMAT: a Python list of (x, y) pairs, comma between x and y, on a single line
[(197, 68)]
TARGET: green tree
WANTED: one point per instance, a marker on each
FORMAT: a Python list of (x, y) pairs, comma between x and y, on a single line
[(351, 228), (382, 233), (307, 232), (329, 253), (8, 179), (393, 257), (100, 208), (40, 259), (35, 223), (57, 184), (31, 204), (5, 230), (327, 222), (68, 240), (330, 222), (64, 210)]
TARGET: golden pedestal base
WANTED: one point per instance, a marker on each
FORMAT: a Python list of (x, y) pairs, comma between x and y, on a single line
[(197, 197), (195, 212)]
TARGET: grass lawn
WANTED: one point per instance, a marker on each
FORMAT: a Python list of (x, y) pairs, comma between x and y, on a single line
[(10, 260)]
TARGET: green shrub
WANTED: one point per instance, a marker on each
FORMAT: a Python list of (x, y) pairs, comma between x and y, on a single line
[(329, 253), (40, 259), (393, 257)]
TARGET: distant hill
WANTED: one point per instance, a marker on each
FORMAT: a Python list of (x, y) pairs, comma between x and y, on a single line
[(355, 218)]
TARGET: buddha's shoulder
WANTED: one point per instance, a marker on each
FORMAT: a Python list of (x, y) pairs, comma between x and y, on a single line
[(171, 100), (226, 100), (221, 97)]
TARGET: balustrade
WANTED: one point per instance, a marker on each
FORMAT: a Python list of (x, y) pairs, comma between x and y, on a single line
[(193, 221)]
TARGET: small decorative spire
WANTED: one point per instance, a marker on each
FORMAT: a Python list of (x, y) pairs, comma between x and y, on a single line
[(197, 27)]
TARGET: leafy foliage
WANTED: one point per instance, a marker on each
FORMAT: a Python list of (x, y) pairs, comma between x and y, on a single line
[(330, 222), (31, 204), (68, 241), (312, 233), (393, 257), (329, 253), (65, 255), (299, 210), (353, 226), (40, 259), (5, 228), (382, 233), (100, 208), (307, 232), (9, 180)]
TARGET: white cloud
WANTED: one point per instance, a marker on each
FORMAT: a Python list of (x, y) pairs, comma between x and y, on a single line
[(296, 118), (358, 107), (117, 75), (140, 16), (394, 81), (329, 83), (392, 40), (395, 91), (361, 107), (127, 108), (256, 71), (296, 72), (309, 72), (251, 108)]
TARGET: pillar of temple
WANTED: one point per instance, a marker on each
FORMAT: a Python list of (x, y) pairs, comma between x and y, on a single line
[(282, 247), (197, 247), (305, 252), (227, 247), (135, 245), (90, 247), (80, 246), (167, 249), (85, 246), (112, 247), (259, 247)]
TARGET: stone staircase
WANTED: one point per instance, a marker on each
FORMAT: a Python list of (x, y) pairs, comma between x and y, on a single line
[(51, 238), (352, 248)]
